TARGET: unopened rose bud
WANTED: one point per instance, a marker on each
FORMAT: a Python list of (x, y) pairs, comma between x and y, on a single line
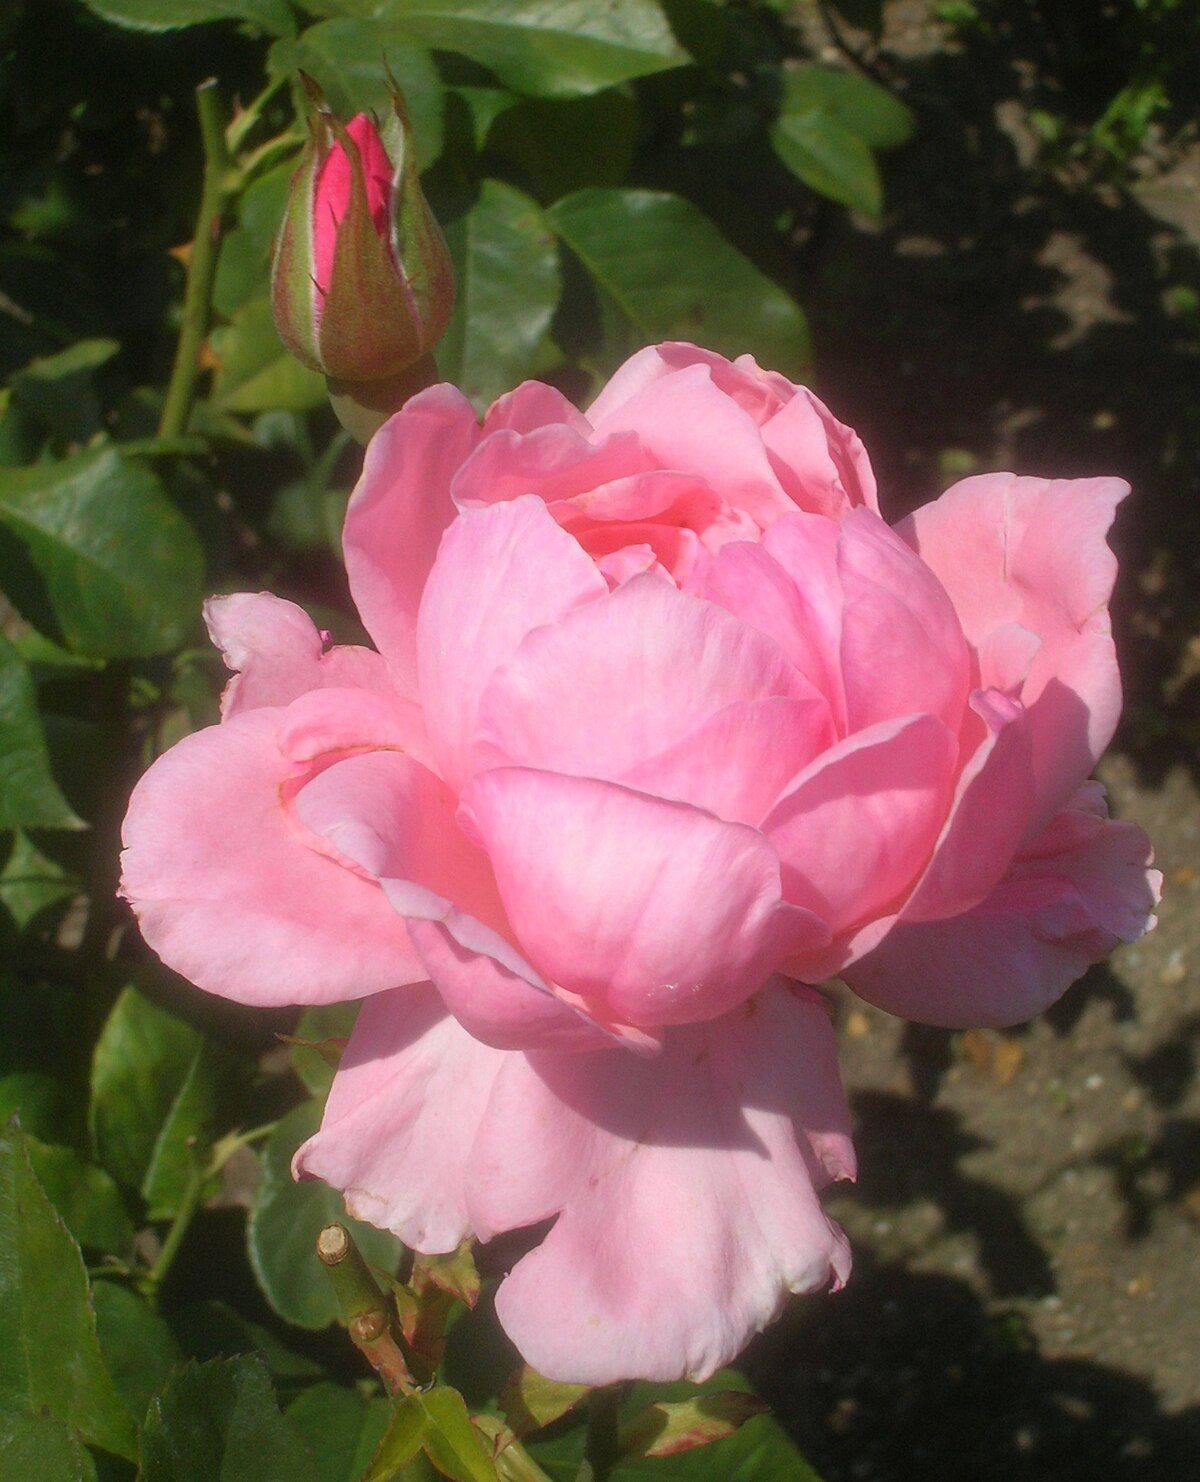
[(362, 286)]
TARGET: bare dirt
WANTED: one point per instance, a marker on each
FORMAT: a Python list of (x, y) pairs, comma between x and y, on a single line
[(1026, 1299)]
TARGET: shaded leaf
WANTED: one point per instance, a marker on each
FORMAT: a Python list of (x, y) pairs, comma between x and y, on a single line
[(451, 1442), (664, 271), (342, 1428), (245, 261), (42, 1449), (219, 1422), (138, 1346), (29, 795), (50, 1362), (506, 270), (315, 1049), (593, 140), (866, 109), (272, 16), (123, 568), (664, 1429), (200, 1109), (549, 48), (284, 1222), (254, 371), (827, 156), (57, 390), (31, 882), (86, 1198), (530, 1401), (207, 1330), (350, 60)]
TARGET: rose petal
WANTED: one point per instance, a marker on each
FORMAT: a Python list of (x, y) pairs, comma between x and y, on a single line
[(821, 464), (397, 513), (501, 572), (664, 662), (653, 909), (403, 1111), (856, 829), (1032, 551), (1080, 888), (227, 890), (279, 654), (686, 1188)]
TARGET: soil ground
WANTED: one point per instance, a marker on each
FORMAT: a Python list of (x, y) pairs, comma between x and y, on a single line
[(1026, 1298)]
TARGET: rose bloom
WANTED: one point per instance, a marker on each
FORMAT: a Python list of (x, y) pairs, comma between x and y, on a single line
[(663, 724)]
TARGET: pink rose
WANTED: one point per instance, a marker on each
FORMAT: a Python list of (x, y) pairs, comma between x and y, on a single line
[(665, 723)]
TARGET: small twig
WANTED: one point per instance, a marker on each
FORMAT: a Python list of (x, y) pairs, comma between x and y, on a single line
[(365, 1309), (221, 184)]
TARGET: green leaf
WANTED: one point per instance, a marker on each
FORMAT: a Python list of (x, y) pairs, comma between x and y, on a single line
[(57, 390), (42, 1449), (219, 1422), (123, 568), (664, 271), (593, 138), (50, 1361), (342, 1428), (244, 265), (207, 1330), (321, 1033), (866, 109), (284, 1222), (254, 372), (350, 60), (199, 1111), (87, 1199), (437, 1422), (760, 1451), (272, 16), (140, 1069), (29, 796), (549, 48), (31, 882), (530, 1401), (665, 1429), (506, 268), (451, 1442), (138, 1346), (822, 152), (39, 1050)]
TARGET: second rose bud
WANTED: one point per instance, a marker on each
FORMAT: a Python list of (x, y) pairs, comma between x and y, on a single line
[(362, 287)]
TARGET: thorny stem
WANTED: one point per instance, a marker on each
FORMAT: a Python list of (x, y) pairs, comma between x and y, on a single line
[(221, 184), (365, 1309)]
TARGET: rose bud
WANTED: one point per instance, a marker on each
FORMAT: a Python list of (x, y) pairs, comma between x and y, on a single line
[(361, 287)]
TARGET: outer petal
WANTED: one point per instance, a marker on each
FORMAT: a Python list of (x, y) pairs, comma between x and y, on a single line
[(1080, 888), (403, 1112), (501, 572), (279, 653), (821, 463), (857, 828), (659, 912), (553, 462), (685, 422), (227, 889), (661, 661), (686, 1188), (399, 509), (902, 649), (1032, 552)]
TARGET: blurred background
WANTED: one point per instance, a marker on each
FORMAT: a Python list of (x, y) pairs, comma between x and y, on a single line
[(973, 228)]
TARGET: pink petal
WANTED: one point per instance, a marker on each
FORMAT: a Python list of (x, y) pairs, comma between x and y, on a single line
[(656, 911), (757, 392), (788, 588), (1032, 552), (531, 405), (229, 893), (1081, 887), (737, 764), (399, 509), (902, 648), (685, 1190), (663, 662), (857, 828), (988, 817), (402, 1115), (501, 572), (553, 462), (278, 653), (821, 464), (686, 423)]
